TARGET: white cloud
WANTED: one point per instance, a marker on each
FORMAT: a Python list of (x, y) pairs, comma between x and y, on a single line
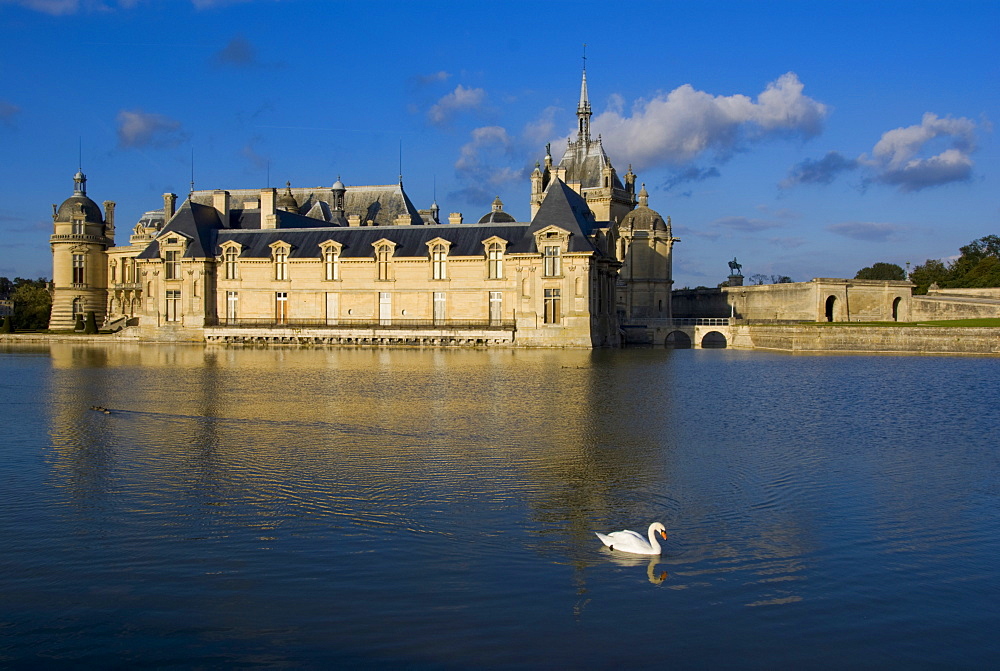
[(460, 99), (896, 154), (140, 129), (680, 126), (484, 164), (896, 158)]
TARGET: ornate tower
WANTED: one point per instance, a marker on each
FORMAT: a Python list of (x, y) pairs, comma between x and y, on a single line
[(643, 242), (586, 168), (80, 236)]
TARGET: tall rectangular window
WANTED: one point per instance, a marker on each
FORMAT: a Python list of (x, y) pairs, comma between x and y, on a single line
[(439, 307), (552, 306), (173, 305), (231, 263), (439, 256), (173, 269), (494, 261), (382, 256), (79, 268), (496, 307), (331, 264), (78, 228), (281, 307), (384, 308), (553, 267), (280, 264), (232, 306)]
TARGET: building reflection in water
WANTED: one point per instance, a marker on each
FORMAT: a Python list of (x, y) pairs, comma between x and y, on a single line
[(446, 443)]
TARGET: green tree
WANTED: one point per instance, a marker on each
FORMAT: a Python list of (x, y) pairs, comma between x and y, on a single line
[(32, 303), (881, 271), (930, 272)]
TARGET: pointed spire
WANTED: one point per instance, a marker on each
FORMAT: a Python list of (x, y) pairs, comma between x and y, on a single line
[(583, 108), (643, 196)]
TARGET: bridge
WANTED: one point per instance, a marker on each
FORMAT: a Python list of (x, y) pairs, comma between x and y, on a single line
[(705, 332)]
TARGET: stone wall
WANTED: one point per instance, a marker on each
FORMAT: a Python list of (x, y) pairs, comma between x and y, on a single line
[(942, 306), (820, 299), (867, 339)]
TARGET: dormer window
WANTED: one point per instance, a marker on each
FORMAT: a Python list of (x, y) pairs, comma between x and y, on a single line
[(231, 256), (495, 248), (330, 253), (439, 258), (383, 258), (281, 263)]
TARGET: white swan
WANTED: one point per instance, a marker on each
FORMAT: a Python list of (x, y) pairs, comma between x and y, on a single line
[(630, 541)]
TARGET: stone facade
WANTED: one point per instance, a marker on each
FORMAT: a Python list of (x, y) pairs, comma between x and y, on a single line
[(821, 299), (361, 264)]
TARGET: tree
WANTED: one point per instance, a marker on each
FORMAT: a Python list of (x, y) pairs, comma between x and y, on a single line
[(881, 271), (930, 272), (978, 265), (32, 303)]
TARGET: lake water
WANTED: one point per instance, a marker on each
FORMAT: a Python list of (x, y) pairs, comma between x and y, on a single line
[(436, 508)]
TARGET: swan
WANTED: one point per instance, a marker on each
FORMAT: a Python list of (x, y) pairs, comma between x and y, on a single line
[(630, 541)]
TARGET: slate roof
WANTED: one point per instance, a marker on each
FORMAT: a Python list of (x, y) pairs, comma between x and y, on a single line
[(565, 208), (91, 211), (585, 163), (380, 204), (207, 231)]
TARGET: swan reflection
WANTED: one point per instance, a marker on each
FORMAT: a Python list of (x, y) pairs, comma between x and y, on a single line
[(654, 576)]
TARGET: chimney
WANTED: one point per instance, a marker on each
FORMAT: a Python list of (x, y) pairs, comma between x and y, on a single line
[(455, 218), (220, 201), (109, 214), (354, 220), (109, 219), (268, 219), (169, 205)]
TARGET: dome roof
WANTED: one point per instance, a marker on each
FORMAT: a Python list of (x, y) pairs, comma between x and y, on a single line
[(497, 217), (287, 200), (338, 185), (643, 218), (72, 205)]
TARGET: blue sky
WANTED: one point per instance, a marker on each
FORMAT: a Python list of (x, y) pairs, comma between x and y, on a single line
[(806, 139)]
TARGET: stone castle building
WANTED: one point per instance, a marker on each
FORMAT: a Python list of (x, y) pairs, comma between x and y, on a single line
[(362, 265)]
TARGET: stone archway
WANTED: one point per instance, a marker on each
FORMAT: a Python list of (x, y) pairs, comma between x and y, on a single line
[(713, 340), (831, 306), (895, 308), (677, 340)]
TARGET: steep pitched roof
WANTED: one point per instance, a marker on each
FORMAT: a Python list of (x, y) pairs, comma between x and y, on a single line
[(194, 221), (565, 208)]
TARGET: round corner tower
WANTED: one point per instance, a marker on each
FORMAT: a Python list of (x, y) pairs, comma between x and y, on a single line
[(81, 235)]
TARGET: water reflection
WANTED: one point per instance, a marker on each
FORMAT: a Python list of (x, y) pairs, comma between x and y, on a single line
[(262, 496)]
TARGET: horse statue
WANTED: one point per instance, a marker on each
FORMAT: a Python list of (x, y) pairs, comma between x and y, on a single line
[(735, 268)]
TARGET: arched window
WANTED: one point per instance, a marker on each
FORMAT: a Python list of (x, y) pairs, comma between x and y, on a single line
[(383, 259), (494, 261), (439, 257), (280, 263), (231, 255), (331, 264)]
